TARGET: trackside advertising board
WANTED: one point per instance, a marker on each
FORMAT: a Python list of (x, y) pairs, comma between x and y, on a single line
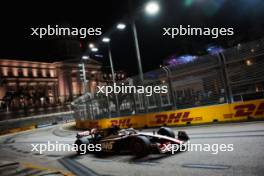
[(238, 111)]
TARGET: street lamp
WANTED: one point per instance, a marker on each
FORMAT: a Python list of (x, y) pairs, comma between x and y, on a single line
[(82, 72), (152, 8), (91, 45), (94, 49), (85, 57), (121, 26), (107, 40), (168, 73), (83, 76)]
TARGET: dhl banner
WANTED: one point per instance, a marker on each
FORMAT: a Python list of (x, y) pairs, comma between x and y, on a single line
[(238, 111)]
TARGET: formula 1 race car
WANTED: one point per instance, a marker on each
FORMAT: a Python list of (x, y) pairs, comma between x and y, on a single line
[(138, 143)]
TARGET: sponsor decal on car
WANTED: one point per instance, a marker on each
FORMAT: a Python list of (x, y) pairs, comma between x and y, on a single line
[(107, 145)]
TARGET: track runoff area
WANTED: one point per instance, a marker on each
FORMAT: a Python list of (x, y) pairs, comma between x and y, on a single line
[(246, 157)]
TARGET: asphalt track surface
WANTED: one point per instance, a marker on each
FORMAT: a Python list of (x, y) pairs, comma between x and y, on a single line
[(246, 159)]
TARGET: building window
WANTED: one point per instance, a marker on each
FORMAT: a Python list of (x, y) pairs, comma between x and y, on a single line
[(25, 72), (20, 72), (35, 72), (5, 71), (30, 73), (15, 72), (52, 73), (44, 73), (9, 72), (39, 75)]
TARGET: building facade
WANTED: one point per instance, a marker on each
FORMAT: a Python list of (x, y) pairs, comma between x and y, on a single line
[(35, 84)]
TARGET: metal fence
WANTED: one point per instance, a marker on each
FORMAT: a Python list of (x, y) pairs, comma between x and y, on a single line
[(235, 74)]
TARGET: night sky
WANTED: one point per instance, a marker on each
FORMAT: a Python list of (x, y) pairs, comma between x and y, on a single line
[(245, 16)]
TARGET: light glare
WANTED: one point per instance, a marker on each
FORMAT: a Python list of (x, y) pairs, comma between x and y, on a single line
[(91, 45), (85, 57), (121, 26), (106, 39), (152, 8), (94, 49)]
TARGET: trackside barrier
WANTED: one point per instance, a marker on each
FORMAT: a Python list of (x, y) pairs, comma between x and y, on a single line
[(16, 130), (40, 121), (238, 111)]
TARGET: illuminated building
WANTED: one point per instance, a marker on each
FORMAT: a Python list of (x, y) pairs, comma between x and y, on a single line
[(34, 84)]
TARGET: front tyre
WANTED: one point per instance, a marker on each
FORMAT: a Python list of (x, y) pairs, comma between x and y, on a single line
[(140, 146)]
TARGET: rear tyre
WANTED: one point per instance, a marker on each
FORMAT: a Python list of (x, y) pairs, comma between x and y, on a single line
[(140, 146), (117, 148), (166, 132)]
